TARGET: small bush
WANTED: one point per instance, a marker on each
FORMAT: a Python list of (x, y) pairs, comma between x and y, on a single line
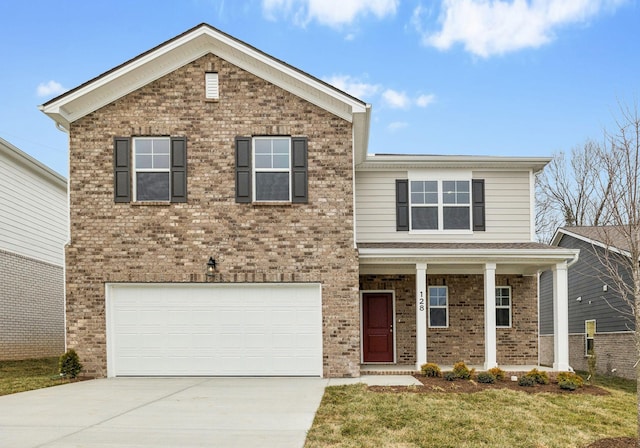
[(569, 380), (432, 370), (486, 377), (461, 371), (526, 381), (70, 364), (450, 376), (538, 376), (498, 373)]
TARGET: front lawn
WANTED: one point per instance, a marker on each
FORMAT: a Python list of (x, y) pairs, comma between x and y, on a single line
[(19, 376), (354, 416)]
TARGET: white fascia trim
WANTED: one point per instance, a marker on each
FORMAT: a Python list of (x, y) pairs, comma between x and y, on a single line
[(416, 160), (462, 256), (558, 236)]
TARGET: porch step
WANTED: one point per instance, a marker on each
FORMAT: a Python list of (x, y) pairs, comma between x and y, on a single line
[(374, 369)]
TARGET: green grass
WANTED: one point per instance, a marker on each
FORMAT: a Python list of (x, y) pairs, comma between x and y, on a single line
[(351, 416), (19, 376)]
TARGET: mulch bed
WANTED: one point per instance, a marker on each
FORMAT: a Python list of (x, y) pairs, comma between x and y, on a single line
[(616, 442), (440, 385)]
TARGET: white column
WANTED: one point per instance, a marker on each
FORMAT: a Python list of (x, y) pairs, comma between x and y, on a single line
[(561, 318), (490, 346), (421, 314)]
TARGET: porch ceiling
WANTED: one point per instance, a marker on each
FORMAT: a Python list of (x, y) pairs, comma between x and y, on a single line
[(510, 258)]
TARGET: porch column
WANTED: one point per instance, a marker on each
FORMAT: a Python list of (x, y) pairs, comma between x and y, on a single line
[(490, 346), (561, 318), (421, 314)]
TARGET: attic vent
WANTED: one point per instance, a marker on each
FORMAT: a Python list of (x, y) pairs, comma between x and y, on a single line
[(211, 86)]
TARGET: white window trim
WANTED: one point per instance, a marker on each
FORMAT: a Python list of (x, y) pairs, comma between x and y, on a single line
[(446, 307), (502, 307), (440, 206), (255, 170), (586, 336), (134, 187)]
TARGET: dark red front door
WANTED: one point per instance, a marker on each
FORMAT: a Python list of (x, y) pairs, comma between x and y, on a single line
[(377, 311)]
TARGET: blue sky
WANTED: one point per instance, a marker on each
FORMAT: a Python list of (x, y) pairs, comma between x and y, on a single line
[(481, 77)]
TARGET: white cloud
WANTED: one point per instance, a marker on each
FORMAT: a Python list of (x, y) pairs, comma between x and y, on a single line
[(395, 99), (50, 88), (353, 86), (334, 13), (397, 125), (491, 27), (425, 100)]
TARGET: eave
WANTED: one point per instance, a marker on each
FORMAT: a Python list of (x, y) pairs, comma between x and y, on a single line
[(411, 161)]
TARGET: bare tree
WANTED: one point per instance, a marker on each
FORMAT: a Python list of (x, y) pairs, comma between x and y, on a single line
[(572, 192)]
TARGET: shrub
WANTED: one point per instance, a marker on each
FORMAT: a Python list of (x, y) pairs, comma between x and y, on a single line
[(486, 377), (450, 376), (538, 376), (431, 369), (569, 380), (461, 371), (498, 373), (69, 364), (526, 381)]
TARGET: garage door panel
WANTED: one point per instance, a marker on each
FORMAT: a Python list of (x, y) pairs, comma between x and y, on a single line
[(200, 329)]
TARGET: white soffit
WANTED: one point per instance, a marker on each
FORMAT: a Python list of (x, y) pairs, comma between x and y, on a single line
[(184, 49)]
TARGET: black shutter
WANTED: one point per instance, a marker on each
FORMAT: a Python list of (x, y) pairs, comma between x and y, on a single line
[(178, 169), (121, 168), (243, 169), (299, 170), (477, 187), (402, 205)]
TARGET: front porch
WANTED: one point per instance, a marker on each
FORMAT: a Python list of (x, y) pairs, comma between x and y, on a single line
[(445, 303)]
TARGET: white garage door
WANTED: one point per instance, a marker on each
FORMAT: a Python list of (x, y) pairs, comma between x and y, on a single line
[(221, 329)]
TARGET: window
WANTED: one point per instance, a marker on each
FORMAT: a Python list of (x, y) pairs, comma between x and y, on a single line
[(503, 306), (272, 173), (440, 205), (271, 169), (151, 169), (438, 307), (590, 333)]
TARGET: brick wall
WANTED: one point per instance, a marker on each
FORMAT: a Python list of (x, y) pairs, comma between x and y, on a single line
[(31, 308), (251, 243), (464, 338)]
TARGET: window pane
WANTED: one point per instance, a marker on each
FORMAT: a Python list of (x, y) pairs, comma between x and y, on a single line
[(462, 186), (144, 161), (281, 161), (263, 161), (152, 186), (272, 186), (448, 192), (417, 198), (161, 161), (431, 198), (456, 218), (463, 198), (161, 146), (281, 146), (417, 186), (438, 317), (424, 218), (502, 317), (143, 146), (437, 296), (262, 146)]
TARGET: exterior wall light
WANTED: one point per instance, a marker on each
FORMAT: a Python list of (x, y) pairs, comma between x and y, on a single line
[(211, 268)]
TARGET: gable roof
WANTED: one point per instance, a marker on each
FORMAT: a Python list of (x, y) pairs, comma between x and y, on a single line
[(191, 45), (41, 170), (607, 237)]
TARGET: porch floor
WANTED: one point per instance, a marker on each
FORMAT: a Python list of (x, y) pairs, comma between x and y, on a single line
[(410, 369)]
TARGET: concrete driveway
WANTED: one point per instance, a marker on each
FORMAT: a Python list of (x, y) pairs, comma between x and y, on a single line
[(163, 412)]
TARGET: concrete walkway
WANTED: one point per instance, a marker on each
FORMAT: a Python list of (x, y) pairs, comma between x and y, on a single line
[(169, 412)]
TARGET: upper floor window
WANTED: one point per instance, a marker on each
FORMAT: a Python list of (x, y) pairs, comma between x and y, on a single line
[(503, 306), (441, 205), (152, 163), (271, 169)]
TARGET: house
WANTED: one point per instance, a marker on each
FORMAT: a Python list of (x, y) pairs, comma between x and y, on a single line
[(33, 232), (599, 318), (226, 219)]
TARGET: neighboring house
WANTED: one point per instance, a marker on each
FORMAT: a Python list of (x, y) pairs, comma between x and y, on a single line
[(33, 232), (227, 220), (599, 318)]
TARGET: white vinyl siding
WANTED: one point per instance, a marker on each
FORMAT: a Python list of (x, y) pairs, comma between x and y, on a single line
[(507, 197), (33, 209)]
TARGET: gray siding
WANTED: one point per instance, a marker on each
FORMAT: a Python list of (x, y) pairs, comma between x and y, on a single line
[(586, 280)]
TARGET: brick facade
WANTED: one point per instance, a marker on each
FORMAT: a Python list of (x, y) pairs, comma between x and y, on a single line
[(31, 308), (464, 338), (129, 242)]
